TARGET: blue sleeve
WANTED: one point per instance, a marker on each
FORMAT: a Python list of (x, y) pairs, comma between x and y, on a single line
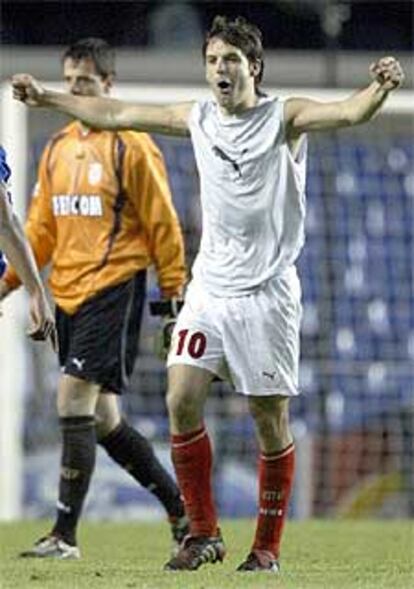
[(5, 171), (5, 174), (3, 265)]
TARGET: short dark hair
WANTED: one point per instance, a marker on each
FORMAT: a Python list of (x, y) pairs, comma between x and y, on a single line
[(98, 50), (242, 34)]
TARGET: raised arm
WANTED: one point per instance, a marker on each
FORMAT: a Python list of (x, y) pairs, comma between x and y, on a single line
[(304, 115), (105, 113)]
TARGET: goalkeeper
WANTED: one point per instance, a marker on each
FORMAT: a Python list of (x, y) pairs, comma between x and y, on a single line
[(101, 214), (14, 244)]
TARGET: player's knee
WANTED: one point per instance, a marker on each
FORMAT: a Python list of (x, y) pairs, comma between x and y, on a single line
[(270, 414), (76, 397), (182, 405), (104, 426), (107, 414)]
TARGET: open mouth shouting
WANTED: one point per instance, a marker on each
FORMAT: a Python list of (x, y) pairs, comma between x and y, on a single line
[(224, 87)]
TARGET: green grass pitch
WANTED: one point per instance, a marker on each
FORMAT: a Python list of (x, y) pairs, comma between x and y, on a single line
[(316, 554)]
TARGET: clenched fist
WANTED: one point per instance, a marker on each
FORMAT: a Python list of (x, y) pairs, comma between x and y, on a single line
[(42, 323), (27, 89), (388, 72)]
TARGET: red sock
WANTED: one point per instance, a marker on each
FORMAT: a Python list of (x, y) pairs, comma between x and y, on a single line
[(192, 458), (275, 484)]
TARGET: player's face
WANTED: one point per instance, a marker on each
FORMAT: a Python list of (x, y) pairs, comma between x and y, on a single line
[(82, 79), (230, 76)]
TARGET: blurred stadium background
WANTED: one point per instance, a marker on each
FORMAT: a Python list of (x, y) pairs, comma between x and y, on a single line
[(354, 423)]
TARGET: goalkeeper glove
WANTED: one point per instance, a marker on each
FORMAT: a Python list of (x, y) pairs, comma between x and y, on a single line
[(168, 310)]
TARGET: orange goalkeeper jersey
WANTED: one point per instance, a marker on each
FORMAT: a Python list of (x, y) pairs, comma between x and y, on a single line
[(101, 211)]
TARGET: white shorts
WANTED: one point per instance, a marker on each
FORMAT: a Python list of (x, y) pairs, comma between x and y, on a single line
[(252, 340)]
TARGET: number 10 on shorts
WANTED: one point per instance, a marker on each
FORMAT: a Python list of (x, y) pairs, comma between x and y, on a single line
[(195, 344)]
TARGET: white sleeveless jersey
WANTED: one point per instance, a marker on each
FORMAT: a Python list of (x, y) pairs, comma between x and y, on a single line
[(252, 197)]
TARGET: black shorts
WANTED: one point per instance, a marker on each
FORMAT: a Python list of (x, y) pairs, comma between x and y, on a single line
[(99, 343)]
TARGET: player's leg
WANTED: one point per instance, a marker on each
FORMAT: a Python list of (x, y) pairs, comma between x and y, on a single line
[(195, 358), (123, 443), (261, 343), (76, 407), (91, 354), (77, 400), (133, 452), (192, 458), (191, 448), (276, 469)]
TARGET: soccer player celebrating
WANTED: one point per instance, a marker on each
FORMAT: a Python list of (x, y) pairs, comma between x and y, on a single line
[(242, 309), (101, 214), (15, 246)]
